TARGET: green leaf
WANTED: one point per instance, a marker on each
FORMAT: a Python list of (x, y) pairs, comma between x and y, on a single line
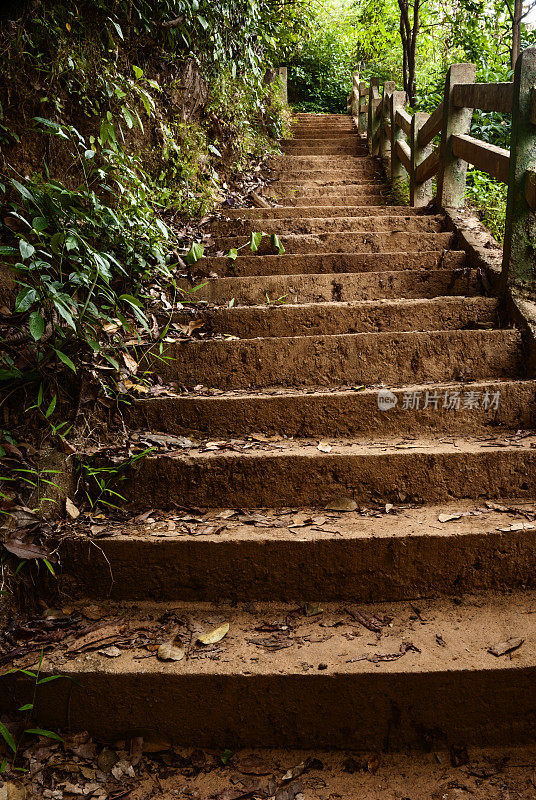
[(25, 299), (42, 732), (255, 240), (232, 254), (51, 407), (65, 359), (23, 191), (118, 29), (277, 244), (214, 150), (202, 21), (45, 561), (226, 756), (37, 325), (27, 707), (26, 249), (195, 253), (138, 72), (5, 250), (7, 737), (89, 154), (56, 242), (39, 223)]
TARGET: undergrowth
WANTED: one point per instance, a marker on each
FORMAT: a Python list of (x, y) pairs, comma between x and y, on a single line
[(138, 119)]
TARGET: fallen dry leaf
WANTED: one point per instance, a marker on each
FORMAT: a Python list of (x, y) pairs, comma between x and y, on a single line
[(214, 636), (342, 504), (71, 509), (502, 648), (324, 448), (171, 651)]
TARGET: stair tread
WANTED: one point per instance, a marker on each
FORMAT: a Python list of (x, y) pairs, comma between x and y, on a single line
[(334, 638), (303, 524)]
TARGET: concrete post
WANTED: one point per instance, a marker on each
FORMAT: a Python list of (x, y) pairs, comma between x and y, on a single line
[(385, 141), (420, 193), (519, 264), (354, 96), (452, 170), (363, 115), (283, 77), (373, 122), (398, 171)]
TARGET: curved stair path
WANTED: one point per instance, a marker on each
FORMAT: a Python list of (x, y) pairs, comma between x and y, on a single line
[(355, 628)]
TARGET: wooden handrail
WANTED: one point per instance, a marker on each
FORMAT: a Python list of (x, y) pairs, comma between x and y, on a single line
[(486, 157), (404, 140), (484, 96), (432, 127), (428, 168), (403, 120), (404, 153)]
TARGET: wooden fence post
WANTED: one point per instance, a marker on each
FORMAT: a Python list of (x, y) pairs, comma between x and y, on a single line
[(398, 172), (385, 141), (420, 193), (354, 97), (372, 127), (519, 264), (452, 170), (363, 114)]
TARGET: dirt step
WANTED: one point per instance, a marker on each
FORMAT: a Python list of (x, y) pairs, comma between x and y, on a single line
[(296, 147), (316, 319), (367, 358), (317, 162), (320, 211), (304, 555), (372, 199), (366, 171), (312, 288), (347, 412), (341, 193), (280, 678), (316, 225), (296, 472), (315, 263), (355, 241)]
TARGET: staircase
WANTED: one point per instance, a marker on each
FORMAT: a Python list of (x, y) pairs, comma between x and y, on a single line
[(354, 441)]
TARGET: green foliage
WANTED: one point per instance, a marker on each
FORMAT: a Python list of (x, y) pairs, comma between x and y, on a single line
[(320, 70), (28, 710)]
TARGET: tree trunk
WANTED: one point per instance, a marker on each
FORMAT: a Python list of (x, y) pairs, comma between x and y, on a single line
[(408, 36), (516, 32)]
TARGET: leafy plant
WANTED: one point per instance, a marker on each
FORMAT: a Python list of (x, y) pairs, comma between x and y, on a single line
[(29, 710)]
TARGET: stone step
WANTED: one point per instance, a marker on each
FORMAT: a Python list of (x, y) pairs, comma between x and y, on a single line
[(354, 241), (308, 554), (316, 225), (344, 412), (317, 162), (294, 472), (282, 678), (311, 288), (316, 319), (319, 212), (364, 358)]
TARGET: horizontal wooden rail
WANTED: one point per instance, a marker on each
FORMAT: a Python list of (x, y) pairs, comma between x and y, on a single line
[(403, 120), (484, 96), (432, 127), (427, 168), (404, 142), (486, 157), (404, 153)]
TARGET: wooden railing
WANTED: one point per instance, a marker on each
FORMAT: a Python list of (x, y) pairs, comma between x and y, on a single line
[(417, 147)]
